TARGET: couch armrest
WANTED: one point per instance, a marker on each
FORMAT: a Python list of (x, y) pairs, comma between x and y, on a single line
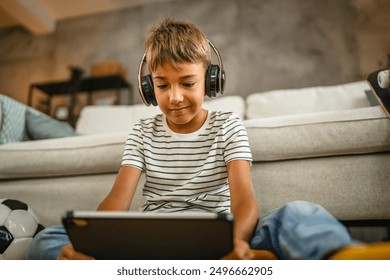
[(90, 154)]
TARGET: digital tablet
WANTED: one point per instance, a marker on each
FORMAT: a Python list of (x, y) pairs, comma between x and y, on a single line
[(143, 236)]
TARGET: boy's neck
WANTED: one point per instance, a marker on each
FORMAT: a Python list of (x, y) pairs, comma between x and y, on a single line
[(192, 126)]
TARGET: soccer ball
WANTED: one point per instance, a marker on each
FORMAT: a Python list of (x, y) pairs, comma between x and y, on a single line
[(18, 225)]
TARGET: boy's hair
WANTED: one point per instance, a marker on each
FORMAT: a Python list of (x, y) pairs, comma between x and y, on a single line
[(176, 42)]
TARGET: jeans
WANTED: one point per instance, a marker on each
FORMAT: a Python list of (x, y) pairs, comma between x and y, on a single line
[(300, 230), (297, 230)]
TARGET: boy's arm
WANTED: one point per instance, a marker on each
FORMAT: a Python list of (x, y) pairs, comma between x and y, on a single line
[(243, 206), (123, 191)]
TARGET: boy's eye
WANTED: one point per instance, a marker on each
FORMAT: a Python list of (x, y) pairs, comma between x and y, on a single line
[(161, 86), (189, 84)]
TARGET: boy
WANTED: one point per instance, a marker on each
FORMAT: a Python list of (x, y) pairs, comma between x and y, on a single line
[(197, 160)]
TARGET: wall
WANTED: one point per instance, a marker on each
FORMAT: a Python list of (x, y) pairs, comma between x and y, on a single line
[(268, 44)]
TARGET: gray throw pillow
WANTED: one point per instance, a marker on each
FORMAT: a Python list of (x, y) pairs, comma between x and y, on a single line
[(371, 98), (1, 116), (41, 126)]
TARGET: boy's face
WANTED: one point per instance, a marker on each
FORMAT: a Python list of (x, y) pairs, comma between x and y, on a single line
[(180, 94)]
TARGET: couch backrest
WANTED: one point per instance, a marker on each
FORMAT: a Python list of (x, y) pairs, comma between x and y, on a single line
[(307, 100), (107, 119), (322, 134)]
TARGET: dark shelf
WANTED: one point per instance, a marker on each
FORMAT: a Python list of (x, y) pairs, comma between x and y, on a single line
[(87, 85)]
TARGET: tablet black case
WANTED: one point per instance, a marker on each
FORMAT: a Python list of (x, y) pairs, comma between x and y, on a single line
[(144, 236)]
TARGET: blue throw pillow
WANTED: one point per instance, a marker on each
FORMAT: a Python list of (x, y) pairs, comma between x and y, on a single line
[(41, 126), (12, 126)]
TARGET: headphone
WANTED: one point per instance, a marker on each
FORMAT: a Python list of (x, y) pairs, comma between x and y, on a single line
[(214, 82)]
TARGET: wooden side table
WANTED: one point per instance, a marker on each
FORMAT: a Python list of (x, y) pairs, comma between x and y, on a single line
[(88, 85)]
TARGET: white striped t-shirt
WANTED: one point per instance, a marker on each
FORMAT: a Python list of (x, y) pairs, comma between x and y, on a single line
[(187, 172)]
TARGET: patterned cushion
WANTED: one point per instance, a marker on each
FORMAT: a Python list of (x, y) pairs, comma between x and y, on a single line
[(13, 126)]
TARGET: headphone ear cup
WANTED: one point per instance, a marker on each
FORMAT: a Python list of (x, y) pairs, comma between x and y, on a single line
[(148, 90), (211, 81)]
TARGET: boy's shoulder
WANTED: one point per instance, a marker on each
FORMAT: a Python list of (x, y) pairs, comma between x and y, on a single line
[(148, 124), (224, 116), (151, 120)]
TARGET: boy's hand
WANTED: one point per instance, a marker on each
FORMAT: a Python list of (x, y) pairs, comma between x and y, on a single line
[(69, 253), (241, 251)]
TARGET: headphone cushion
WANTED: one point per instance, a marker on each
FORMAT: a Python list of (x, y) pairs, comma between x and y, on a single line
[(211, 81), (148, 90)]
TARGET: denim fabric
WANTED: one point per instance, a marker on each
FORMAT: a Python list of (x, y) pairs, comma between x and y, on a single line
[(47, 244), (298, 230)]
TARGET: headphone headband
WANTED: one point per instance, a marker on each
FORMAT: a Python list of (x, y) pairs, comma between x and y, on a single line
[(143, 60), (215, 80), (221, 72)]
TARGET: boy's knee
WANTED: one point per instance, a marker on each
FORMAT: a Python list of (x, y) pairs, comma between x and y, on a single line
[(302, 207)]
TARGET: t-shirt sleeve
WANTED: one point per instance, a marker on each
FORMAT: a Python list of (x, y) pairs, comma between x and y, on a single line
[(133, 154), (236, 140)]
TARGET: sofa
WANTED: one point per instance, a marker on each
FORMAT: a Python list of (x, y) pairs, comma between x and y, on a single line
[(329, 145)]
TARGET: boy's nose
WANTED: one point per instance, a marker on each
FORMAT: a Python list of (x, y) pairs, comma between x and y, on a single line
[(175, 96)]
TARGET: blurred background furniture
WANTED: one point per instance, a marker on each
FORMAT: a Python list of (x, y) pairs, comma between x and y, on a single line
[(74, 87)]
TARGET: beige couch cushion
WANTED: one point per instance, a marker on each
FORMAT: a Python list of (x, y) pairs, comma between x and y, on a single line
[(108, 119), (90, 154), (307, 100), (355, 131)]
